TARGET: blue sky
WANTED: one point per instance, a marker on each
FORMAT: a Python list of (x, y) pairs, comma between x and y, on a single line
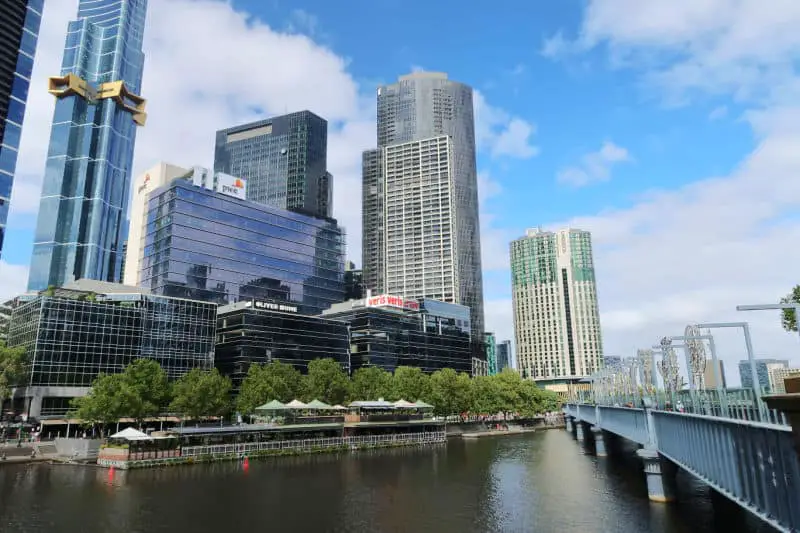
[(666, 131)]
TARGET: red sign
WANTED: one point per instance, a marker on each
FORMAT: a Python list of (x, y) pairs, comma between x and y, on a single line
[(387, 300)]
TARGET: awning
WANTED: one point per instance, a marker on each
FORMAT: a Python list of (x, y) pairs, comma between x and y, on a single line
[(274, 405), (316, 404), (130, 434), (296, 404)]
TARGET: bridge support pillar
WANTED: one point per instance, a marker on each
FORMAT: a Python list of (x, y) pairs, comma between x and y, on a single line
[(579, 431), (599, 442), (568, 423), (660, 474)]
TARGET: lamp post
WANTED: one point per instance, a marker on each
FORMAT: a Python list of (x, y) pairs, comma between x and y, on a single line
[(771, 307), (749, 347)]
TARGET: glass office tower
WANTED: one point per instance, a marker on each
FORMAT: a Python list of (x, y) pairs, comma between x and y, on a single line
[(207, 245), (283, 159), (19, 31), (87, 176)]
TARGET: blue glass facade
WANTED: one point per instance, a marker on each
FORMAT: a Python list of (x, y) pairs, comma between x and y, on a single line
[(19, 31), (87, 175), (204, 245)]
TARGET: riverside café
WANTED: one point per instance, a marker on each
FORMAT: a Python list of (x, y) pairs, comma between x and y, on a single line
[(297, 428)]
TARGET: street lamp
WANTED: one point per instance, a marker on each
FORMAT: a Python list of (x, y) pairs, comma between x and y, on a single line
[(771, 307)]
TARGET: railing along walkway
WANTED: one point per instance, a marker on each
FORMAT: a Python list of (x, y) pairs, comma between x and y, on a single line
[(753, 463)]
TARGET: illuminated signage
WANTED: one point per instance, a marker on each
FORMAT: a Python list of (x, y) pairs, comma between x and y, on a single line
[(231, 186), (143, 186), (387, 300), (274, 306)]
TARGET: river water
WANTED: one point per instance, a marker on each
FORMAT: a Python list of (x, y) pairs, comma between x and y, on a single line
[(542, 482)]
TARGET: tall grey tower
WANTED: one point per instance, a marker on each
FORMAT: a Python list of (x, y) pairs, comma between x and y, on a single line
[(421, 233), (283, 159)]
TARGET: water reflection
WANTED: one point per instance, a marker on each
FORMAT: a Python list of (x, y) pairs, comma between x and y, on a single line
[(530, 483)]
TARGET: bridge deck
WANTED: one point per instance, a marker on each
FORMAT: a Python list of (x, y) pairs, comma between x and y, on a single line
[(752, 463)]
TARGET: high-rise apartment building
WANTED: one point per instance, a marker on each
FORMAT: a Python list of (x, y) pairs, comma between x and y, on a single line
[(19, 31), (284, 161), (421, 233), (79, 233), (556, 316)]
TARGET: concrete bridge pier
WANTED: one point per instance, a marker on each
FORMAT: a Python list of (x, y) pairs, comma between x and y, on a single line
[(568, 423), (579, 431), (660, 474), (599, 442)]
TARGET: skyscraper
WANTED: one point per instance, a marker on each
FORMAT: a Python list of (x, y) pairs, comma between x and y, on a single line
[(421, 233), (503, 355), (88, 173), (556, 316), (19, 31), (284, 161)]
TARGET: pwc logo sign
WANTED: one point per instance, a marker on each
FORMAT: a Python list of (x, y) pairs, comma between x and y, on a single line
[(231, 186), (143, 186)]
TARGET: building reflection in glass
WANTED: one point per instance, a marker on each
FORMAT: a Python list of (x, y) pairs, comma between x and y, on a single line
[(205, 245)]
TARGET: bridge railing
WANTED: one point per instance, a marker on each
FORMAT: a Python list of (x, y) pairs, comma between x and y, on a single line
[(751, 463), (737, 404)]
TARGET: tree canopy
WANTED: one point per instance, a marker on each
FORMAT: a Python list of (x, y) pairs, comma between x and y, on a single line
[(13, 366), (142, 391), (201, 393), (273, 381), (326, 381)]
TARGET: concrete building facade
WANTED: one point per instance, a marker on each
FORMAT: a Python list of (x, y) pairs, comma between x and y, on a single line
[(556, 314)]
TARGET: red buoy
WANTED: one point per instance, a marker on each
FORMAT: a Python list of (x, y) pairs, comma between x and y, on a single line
[(246, 463)]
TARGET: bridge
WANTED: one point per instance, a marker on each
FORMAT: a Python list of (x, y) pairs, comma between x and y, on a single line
[(740, 449)]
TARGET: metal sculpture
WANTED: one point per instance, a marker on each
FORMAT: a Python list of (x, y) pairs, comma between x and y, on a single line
[(669, 366), (697, 356), (645, 357)]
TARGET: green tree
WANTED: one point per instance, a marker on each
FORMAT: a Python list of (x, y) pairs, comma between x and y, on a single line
[(13, 367), (201, 393), (410, 383), (789, 318), (263, 383), (103, 404), (487, 398), (371, 383), (326, 381), (450, 392), (145, 390), (508, 387)]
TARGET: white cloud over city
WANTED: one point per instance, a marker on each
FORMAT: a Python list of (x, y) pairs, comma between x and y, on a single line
[(693, 254), (198, 80)]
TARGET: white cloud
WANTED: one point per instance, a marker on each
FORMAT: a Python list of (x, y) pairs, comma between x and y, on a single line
[(718, 113), (500, 133), (488, 187), (717, 46), (692, 254), (595, 166), (14, 280)]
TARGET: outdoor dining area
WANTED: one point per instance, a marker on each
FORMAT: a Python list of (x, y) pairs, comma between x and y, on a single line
[(130, 444), (317, 412)]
